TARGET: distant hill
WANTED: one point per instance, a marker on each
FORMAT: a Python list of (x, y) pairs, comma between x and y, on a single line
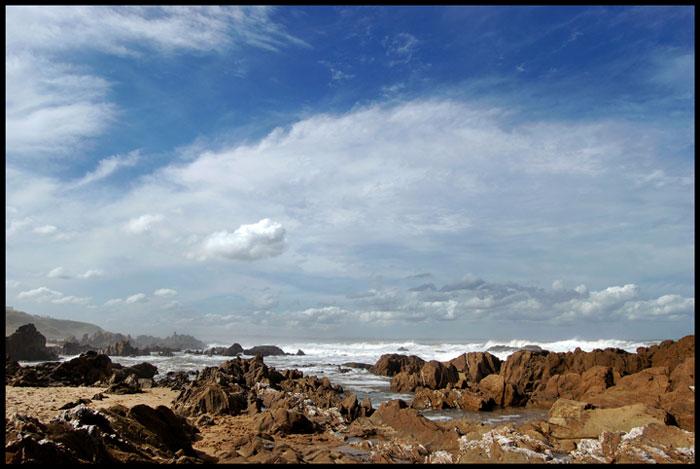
[(57, 330), (53, 329)]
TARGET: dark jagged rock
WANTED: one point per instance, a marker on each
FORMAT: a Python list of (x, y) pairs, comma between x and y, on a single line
[(115, 435), (28, 344), (232, 351), (84, 370), (300, 353), (143, 370)]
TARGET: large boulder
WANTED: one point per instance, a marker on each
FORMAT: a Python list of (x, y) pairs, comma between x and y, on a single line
[(392, 364), (495, 387), (476, 365), (432, 375), (85, 370), (28, 344), (264, 350)]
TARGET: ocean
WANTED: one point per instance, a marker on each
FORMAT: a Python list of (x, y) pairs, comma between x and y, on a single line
[(326, 359)]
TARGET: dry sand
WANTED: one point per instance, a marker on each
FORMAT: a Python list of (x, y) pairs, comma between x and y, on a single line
[(43, 403)]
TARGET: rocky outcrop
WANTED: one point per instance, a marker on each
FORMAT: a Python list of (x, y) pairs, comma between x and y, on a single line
[(264, 350), (432, 375), (410, 424), (392, 364), (122, 348), (27, 344), (475, 366), (115, 435), (232, 351)]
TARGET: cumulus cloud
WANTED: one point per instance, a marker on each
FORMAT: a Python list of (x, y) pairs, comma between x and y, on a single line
[(92, 273), (260, 240), (136, 298), (45, 295), (59, 272), (142, 224), (165, 292)]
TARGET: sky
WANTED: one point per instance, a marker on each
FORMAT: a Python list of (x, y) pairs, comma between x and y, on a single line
[(368, 173)]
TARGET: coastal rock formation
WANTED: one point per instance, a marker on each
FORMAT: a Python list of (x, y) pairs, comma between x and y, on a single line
[(121, 349), (27, 344), (232, 351), (115, 435), (392, 364), (476, 365), (264, 350), (432, 375)]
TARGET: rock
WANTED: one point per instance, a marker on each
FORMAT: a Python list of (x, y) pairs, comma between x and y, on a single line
[(680, 401), (402, 349), (84, 370), (362, 366), (122, 348), (451, 399), (70, 405), (27, 344), (366, 409), (176, 380), (349, 408), (143, 370), (575, 420), (393, 364), (264, 350), (130, 385), (432, 375), (74, 348), (114, 435), (300, 353), (283, 421), (409, 423), (646, 387), (668, 353), (476, 365)]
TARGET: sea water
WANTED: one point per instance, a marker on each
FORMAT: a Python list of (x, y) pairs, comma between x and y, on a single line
[(327, 358)]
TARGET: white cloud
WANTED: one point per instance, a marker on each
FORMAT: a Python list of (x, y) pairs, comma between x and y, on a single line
[(265, 238), (114, 302), (44, 295), (109, 166), (136, 298), (53, 107), (74, 300), (45, 230), (59, 272), (165, 292), (581, 289), (40, 294), (558, 285), (92, 273), (142, 224)]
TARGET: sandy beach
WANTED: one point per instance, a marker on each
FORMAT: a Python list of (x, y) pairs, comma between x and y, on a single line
[(44, 403)]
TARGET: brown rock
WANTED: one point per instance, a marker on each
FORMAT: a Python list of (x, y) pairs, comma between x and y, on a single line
[(476, 365), (392, 364), (575, 420)]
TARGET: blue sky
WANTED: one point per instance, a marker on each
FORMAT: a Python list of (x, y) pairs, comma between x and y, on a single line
[(355, 172)]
